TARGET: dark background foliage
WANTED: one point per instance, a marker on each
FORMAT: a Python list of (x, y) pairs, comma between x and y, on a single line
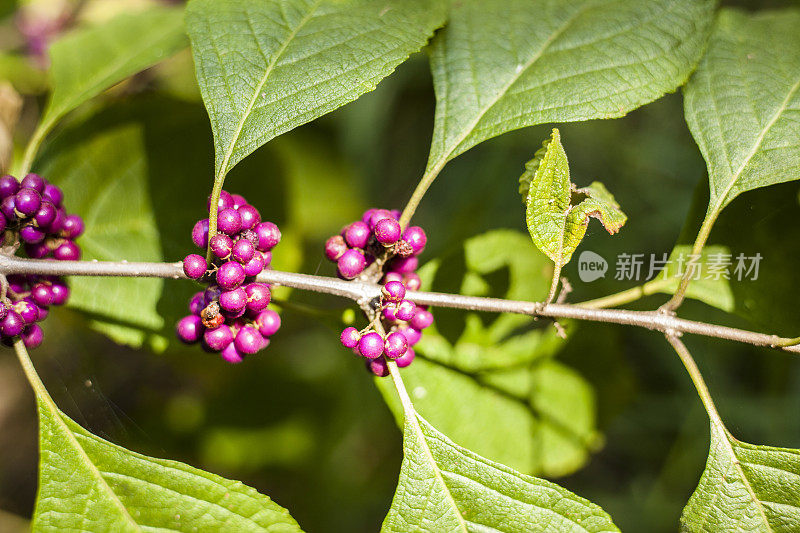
[(303, 422)]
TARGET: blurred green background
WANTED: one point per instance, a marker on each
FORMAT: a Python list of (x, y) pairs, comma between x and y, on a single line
[(302, 422)]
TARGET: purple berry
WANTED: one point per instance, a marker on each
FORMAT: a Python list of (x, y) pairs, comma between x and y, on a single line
[(233, 301), (405, 359), (396, 345), (392, 276), (230, 275), (255, 265), (249, 215), (27, 201), (357, 234), (31, 234), (238, 201), (53, 194), (41, 294), (225, 201), (196, 304), (377, 216), (387, 231), (28, 310), (190, 329), (405, 310), (351, 264), (394, 291), (60, 293), (350, 337), (68, 251), (389, 313), (233, 314), (268, 322), (4, 309), (258, 296), (72, 227), (396, 214), (8, 186), (32, 336), (12, 324), (43, 312), (37, 251), (221, 245), (335, 247), (46, 214), (231, 354), (218, 338), (411, 281), (269, 235), (266, 257), (370, 345), (248, 340), (368, 215), (378, 367), (211, 294), (200, 233), (58, 222), (243, 251), (415, 236), (8, 208), (194, 266), (404, 265), (412, 335), (229, 221), (33, 181), (422, 319)]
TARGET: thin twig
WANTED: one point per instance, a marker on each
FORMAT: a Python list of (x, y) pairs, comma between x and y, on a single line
[(361, 292)]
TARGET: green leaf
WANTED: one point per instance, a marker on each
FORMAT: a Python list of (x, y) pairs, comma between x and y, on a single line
[(267, 66), (88, 61), (104, 181), (501, 65), (89, 484), (556, 226), (743, 103), (745, 487), (472, 373), (444, 487)]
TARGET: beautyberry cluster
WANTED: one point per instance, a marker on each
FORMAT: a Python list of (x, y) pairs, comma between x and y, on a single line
[(32, 215), (377, 239), (231, 315)]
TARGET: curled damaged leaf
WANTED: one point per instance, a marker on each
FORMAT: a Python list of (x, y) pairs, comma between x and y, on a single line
[(556, 223)]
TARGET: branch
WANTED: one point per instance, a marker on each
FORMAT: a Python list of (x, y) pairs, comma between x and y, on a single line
[(361, 291)]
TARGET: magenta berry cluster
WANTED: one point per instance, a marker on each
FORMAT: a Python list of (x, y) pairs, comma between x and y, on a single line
[(230, 316), (33, 215), (378, 239)]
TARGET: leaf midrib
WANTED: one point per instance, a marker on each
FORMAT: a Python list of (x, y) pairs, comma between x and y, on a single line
[(411, 415), (56, 413), (223, 169), (745, 481), (754, 150), (514, 78)]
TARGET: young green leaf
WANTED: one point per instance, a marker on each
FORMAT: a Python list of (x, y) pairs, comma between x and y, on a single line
[(444, 487), (89, 484), (500, 65), (267, 66), (556, 226), (89, 61), (743, 103), (745, 488)]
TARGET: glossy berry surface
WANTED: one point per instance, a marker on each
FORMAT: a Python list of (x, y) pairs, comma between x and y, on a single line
[(378, 247), (231, 315), (194, 266), (32, 214)]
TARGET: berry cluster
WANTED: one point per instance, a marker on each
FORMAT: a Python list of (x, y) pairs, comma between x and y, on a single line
[(231, 315), (33, 215), (378, 239)]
